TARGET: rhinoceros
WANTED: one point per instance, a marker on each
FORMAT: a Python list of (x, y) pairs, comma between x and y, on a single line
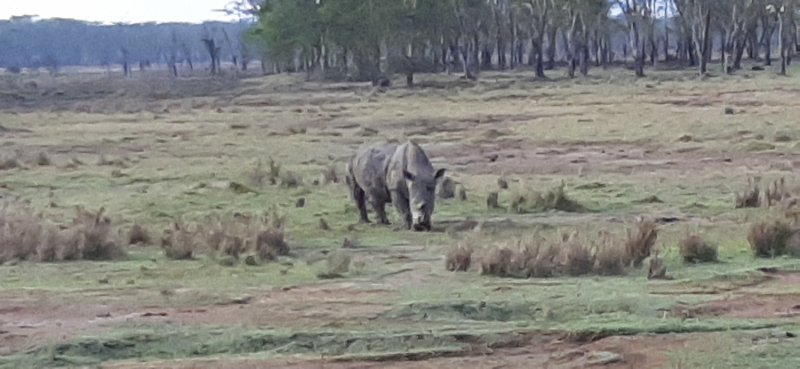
[(398, 173)]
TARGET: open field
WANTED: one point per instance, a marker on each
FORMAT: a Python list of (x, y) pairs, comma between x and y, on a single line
[(154, 151)]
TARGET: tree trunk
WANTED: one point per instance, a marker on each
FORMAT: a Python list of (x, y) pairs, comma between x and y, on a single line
[(666, 37), (766, 39), (552, 32), (704, 43), (782, 42), (638, 54)]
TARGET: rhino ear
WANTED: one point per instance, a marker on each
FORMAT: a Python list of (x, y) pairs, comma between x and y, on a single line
[(439, 174), (408, 175)]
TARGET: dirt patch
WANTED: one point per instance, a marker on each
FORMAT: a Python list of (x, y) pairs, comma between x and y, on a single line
[(751, 306), (30, 320), (750, 301), (524, 157)]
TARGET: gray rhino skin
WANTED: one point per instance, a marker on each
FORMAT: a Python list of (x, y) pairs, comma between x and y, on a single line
[(401, 174)]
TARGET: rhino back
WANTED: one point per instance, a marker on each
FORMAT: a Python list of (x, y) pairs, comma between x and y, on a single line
[(368, 165)]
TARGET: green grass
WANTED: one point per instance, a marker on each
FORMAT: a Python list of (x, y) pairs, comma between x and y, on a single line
[(178, 166)]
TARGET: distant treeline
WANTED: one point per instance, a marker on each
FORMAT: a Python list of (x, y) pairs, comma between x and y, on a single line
[(59, 42)]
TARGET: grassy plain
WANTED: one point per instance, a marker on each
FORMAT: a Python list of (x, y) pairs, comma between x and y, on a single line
[(152, 150)]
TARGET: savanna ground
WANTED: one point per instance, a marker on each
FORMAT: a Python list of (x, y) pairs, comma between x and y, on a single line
[(152, 151)]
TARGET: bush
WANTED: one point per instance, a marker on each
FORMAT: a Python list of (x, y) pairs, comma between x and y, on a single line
[(139, 235), (28, 235), (180, 243), (330, 175), (459, 258), (695, 250), (639, 245), (579, 259), (526, 201), (91, 236), (750, 198), (536, 258), (270, 244), (498, 261), (770, 240)]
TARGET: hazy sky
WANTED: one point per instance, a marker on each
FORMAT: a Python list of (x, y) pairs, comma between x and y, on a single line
[(131, 11)]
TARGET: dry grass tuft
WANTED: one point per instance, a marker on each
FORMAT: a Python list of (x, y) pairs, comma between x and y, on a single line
[(459, 258), (639, 245), (656, 269), (770, 240), (338, 263), (290, 180), (270, 244), (228, 235), (579, 258), (776, 192), (751, 197), (793, 245), (9, 163), (181, 242), (498, 261), (73, 163), (259, 176), (323, 225), (274, 172), (536, 261), (536, 258), (105, 161), (139, 235), (330, 175), (28, 235), (502, 183), (492, 201), (696, 250), (43, 160), (526, 201), (446, 189), (92, 236), (610, 259), (461, 193)]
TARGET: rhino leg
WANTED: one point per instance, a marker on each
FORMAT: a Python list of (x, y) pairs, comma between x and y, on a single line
[(400, 203), (360, 197), (380, 210)]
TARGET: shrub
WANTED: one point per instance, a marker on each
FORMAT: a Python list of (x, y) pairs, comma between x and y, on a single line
[(579, 259), (459, 258), (92, 236), (139, 235), (610, 259), (537, 258), (696, 250), (639, 245), (290, 180), (28, 235), (526, 201), (9, 163), (498, 262), (43, 160), (330, 175), (270, 244), (259, 175), (179, 243), (749, 198), (770, 240)]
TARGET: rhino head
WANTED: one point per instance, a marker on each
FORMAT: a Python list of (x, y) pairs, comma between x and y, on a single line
[(421, 197)]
